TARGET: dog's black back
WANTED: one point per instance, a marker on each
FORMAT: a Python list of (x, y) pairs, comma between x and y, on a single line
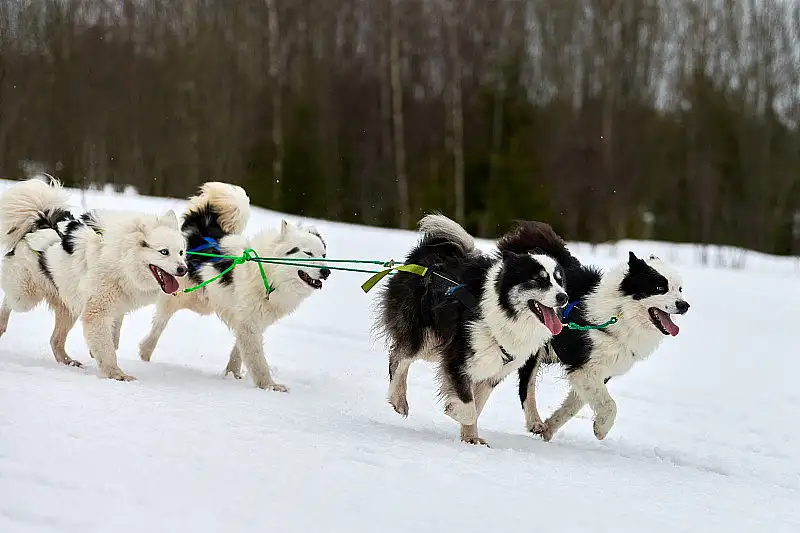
[(198, 226), (412, 303)]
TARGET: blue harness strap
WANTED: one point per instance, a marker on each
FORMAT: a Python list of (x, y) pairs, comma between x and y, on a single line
[(211, 244), (569, 308)]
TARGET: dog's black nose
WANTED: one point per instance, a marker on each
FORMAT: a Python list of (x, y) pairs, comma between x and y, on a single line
[(324, 272), (181, 270), (561, 299), (682, 306)]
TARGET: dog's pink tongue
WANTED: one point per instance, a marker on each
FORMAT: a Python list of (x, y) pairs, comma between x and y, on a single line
[(667, 322), (551, 320), (170, 283)]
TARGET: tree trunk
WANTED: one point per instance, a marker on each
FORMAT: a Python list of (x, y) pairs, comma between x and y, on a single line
[(277, 104), (404, 206), (457, 112)]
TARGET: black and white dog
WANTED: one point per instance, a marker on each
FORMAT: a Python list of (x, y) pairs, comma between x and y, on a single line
[(643, 293), (479, 317)]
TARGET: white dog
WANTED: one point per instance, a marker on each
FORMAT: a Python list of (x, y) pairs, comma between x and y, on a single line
[(220, 209), (99, 267), (240, 297)]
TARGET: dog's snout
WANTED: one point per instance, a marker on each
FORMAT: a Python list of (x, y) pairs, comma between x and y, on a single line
[(561, 298), (324, 272), (181, 270), (682, 306)]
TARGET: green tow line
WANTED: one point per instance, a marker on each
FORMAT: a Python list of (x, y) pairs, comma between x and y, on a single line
[(251, 255), (577, 327)]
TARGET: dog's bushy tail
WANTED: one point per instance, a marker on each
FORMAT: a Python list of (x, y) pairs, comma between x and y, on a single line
[(218, 209), (29, 205), (529, 236), (438, 226)]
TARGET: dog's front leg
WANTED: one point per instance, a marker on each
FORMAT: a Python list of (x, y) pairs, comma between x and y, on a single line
[(251, 349), (469, 433), (98, 330), (569, 408), (117, 330), (234, 363), (590, 387), (165, 308), (533, 420)]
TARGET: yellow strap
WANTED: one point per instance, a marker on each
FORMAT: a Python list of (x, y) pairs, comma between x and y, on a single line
[(413, 269)]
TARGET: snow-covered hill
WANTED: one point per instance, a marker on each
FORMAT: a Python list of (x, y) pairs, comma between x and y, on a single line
[(707, 437)]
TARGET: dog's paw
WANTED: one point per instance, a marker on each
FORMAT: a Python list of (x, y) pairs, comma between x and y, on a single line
[(145, 355), (400, 404), (119, 375), (277, 387), (544, 430), (463, 413), (601, 428), (604, 422), (477, 441), (235, 373), (69, 361)]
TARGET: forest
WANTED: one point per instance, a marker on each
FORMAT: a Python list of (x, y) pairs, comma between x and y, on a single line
[(649, 119)]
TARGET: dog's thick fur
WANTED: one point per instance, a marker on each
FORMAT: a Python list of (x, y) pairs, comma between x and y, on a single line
[(485, 329), (240, 298), (98, 267), (218, 210), (642, 293)]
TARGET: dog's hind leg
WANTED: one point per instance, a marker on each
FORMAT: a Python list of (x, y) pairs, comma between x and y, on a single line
[(98, 330), (251, 348), (399, 364), (165, 308), (64, 321), (469, 433), (234, 363), (5, 315)]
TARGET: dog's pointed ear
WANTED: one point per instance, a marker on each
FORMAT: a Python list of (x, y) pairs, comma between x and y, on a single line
[(284, 227), (654, 256), (632, 259), (169, 219)]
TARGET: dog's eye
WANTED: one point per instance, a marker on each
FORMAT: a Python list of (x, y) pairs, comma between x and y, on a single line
[(293, 251), (180, 253), (309, 254), (164, 251), (662, 290)]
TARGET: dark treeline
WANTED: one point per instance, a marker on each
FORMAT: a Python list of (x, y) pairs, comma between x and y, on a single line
[(666, 119)]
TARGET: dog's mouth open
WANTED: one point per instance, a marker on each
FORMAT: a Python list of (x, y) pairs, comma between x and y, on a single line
[(662, 321), (311, 282), (547, 315), (168, 282)]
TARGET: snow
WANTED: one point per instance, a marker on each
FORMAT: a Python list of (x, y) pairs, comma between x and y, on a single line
[(706, 437)]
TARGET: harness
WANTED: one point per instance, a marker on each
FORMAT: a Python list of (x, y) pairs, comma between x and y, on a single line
[(458, 292)]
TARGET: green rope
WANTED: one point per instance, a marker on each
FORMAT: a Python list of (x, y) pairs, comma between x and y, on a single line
[(247, 255), (251, 255), (610, 321)]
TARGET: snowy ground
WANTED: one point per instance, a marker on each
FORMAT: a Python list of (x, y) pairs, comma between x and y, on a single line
[(707, 436)]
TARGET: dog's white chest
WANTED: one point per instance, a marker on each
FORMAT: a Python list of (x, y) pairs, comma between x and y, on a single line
[(493, 361), (615, 355)]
